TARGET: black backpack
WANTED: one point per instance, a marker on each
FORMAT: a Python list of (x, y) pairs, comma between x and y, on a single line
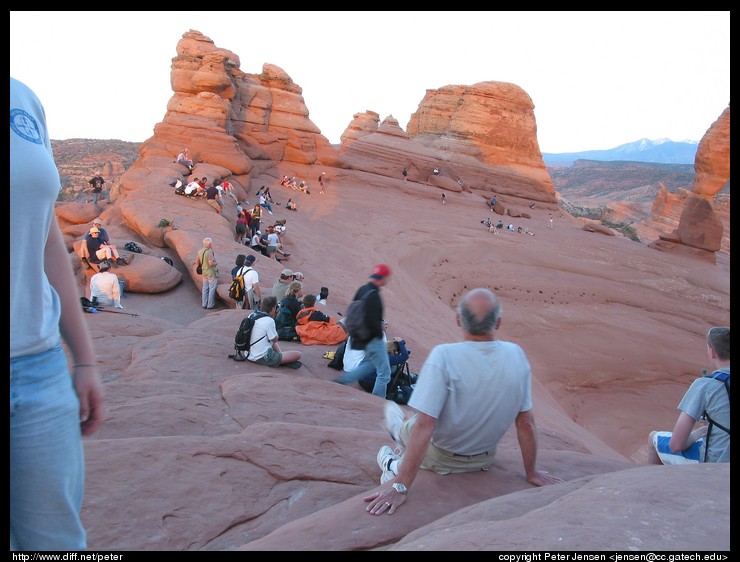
[(285, 324), (132, 247), (399, 388), (355, 320), (725, 379), (242, 340)]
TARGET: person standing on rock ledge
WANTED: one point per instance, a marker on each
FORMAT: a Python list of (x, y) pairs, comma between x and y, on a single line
[(96, 183), (321, 182), (467, 396), (209, 270)]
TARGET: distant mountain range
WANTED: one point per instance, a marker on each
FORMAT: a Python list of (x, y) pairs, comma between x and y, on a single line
[(661, 151)]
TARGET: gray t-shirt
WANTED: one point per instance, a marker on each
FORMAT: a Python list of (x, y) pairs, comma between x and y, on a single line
[(474, 390), (707, 394)]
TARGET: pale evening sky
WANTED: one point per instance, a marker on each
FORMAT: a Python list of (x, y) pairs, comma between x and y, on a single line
[(597, 79)]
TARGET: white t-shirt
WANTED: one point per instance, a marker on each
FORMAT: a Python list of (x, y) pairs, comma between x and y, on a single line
[(474, 390), (250, 278), (353, 357), (263, 332), (106, 287)]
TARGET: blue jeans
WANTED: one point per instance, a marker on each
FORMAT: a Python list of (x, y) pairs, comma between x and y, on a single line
[(100, 196), (375, 361), (208, 293), (47, 465)]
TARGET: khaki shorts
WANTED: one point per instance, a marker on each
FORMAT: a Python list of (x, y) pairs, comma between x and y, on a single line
[(443, 462)]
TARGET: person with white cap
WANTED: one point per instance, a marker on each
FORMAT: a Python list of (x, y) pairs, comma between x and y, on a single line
[(376, 354), (257, 244)]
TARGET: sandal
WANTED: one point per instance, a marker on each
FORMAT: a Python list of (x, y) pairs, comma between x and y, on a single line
[(329, 355)]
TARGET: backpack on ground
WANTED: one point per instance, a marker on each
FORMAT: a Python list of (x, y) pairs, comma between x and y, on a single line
[(242, 339), (355, 321), (337, 362), (132, 247), (236, 290), (724, 378), (399, 388)]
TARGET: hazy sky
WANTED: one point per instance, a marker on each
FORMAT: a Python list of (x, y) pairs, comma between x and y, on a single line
[(597, 79)]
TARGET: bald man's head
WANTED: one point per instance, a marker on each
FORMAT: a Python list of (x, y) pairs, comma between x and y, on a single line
[(479, 312)]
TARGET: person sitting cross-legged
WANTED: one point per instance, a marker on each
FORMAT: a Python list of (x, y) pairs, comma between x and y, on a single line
[(264, 347)]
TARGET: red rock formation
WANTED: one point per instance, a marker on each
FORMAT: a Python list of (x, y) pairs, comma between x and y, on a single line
[(493, 123), (712, 164), (700, 228)]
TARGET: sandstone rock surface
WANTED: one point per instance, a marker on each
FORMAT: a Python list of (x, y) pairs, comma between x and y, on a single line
[(199, 452)]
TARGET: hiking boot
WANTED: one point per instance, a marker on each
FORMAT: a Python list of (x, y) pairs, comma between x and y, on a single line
[(393, 418), (385, 458), (121, 261), (128, 259)]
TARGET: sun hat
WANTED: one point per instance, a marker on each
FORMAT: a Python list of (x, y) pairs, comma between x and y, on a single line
[(94, 229), (287, 273), (381, 270), (97, 221)]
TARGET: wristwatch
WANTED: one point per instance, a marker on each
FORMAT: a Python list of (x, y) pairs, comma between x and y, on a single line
[(400, 488)]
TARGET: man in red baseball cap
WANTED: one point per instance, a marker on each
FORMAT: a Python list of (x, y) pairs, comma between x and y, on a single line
[(376, 355)]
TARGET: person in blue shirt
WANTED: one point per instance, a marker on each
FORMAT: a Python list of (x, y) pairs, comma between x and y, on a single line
[(56, 395)]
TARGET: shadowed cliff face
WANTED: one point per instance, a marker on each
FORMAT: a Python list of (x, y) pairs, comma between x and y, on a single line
[(199, 452)]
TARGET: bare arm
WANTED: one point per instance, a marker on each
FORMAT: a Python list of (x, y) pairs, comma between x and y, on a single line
[(682, 437), (526, 433), (74, 331), (419, 440)]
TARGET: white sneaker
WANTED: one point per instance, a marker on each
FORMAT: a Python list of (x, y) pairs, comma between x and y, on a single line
[(385, 457), (393, 418)]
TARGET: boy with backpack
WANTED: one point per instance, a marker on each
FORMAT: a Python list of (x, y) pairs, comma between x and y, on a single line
[(263, 342), (708, 398)]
